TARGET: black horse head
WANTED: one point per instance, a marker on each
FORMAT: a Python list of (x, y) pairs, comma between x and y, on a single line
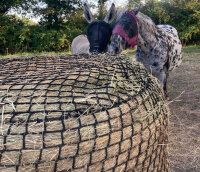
[(99, 32)]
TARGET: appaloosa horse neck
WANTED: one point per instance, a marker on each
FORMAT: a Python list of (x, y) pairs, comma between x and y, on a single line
[(99, 32), (159, 47)]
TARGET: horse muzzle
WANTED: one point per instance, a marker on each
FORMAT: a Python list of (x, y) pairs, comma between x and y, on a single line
[(112, 50), (96, 48)]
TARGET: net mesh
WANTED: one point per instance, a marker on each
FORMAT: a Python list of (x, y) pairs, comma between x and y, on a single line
[(81, 113)]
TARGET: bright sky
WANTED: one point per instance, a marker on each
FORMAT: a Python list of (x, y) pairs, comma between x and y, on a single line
[(119, 2), (109, 2)]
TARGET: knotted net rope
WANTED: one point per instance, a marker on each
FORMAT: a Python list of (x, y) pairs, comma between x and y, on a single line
[(81, 113)]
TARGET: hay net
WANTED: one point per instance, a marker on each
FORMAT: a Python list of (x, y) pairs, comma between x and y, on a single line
[(81, 113)]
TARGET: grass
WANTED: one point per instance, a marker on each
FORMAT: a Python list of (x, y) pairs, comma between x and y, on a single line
[(191, 48), (184, 128), (35, 53)]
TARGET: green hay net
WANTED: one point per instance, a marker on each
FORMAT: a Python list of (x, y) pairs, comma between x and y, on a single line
[(81, 113)]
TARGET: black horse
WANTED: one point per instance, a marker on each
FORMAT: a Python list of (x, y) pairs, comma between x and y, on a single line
[(99, 32)]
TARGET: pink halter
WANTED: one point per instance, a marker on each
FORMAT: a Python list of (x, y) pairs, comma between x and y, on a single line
[(119, 30)]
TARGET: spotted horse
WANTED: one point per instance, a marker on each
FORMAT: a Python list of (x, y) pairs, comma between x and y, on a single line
[(158, 46)]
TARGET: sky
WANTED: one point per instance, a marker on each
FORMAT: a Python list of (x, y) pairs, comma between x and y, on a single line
[(117, 2)]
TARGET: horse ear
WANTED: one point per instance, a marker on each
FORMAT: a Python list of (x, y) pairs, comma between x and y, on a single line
[(87, 13), (111, 14), (135, 11), (120, 13)]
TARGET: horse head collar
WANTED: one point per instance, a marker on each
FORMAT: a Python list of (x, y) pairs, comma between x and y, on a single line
[(125, 31), (130, 34)]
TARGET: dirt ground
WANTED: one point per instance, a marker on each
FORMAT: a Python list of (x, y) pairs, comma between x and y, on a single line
[(184, 128)]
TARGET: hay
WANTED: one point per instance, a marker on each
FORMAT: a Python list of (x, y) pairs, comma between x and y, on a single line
[(81, 113)]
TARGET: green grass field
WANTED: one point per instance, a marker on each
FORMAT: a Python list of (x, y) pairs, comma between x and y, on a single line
[(32, 54)]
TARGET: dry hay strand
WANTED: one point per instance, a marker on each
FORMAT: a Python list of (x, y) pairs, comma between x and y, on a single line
[(184, 148), (81, 113)]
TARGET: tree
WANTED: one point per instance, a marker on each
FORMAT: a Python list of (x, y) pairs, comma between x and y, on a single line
[(184, 15), (156, 11), (6, 5), (133, 3), (101, 9), (56, 11)]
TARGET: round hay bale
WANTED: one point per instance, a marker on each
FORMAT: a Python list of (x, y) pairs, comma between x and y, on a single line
[(81, 113)]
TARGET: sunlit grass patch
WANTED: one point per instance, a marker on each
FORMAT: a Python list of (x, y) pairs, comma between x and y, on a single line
[(34, 54)]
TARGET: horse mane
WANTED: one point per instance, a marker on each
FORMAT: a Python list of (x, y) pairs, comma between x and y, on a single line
[(120, 12), (146, 24), (143, 19)]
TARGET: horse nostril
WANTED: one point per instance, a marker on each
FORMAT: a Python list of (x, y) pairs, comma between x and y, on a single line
[(116, 50), (96, 46), (94, 51)]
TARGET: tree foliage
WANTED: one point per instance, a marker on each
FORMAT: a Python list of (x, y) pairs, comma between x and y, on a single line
[(133, 3), (6, 5), (184, 15), (61, 21), (56, 12), (24, 36), (101, 9)]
